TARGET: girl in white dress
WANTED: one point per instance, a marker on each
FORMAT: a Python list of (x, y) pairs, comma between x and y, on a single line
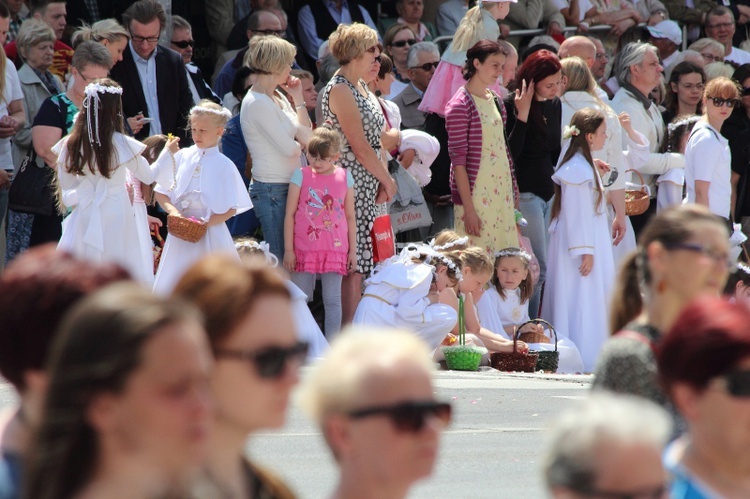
[(505, 306), (207, 187), (411, 291), (92, 164), (307, 328), (577, 293)]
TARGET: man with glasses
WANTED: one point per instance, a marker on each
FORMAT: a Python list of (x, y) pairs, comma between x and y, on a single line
[(260, 23), (720, 25), (422, 61), (153, 78), (182, 42), (53, 13)]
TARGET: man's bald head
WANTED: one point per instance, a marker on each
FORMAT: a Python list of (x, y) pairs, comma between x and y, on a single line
[(578, 46)]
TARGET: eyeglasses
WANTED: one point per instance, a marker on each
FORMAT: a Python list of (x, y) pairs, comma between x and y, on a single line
[(427, 66), (147, 39), (403, 43), (716, 256), (184, 43), (601, 55), (737, 383), (658, 492), (720, 25), (270, 363), (408, 417), (266, 32), (719, 101), (711, 58), (690, 86)]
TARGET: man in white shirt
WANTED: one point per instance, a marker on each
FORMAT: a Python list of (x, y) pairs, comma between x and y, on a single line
[(667, 37), (720, 25), (638, 73), (182, 42)]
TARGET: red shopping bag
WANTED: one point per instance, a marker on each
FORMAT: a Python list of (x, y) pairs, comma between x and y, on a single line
[(383, 242)]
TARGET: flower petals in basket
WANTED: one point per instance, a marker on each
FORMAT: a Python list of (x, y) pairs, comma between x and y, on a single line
[(548, 360), (515, 360), (187, 229)]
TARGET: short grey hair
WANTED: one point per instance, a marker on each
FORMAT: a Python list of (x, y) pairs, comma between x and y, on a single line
[(631, 54), (427, 47), (328, 67), (599, 421), (91, 54), (33, 32), (179, 22)]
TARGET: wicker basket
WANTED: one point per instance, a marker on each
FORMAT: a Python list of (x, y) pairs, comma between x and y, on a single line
[(548, 361), (637, 200), (463, 357), (532, 337), (514, 361), (186, 229)]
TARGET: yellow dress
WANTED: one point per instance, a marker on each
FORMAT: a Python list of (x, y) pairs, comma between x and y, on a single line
[(493, 187)]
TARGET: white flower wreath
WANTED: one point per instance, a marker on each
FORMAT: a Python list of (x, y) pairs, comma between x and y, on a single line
[(570, 131)]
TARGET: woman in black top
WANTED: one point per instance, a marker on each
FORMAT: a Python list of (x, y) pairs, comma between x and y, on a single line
[(534, 129)]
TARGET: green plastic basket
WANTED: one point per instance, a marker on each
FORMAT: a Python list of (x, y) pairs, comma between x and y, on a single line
[(463, 358)]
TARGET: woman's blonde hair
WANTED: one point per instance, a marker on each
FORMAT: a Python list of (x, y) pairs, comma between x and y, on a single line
[(269, 54), (33, 32), (708, 43), (339, 383), (471, 28), (106, 29), (716, 70), (351, 41)]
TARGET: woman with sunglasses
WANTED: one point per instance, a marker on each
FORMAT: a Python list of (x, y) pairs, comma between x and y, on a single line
[(255, 366), (682, 254), (374, 401), (708, 166), (704, 366), (398, 40)]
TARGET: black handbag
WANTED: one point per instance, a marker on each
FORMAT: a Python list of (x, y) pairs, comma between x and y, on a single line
[(32, 190)]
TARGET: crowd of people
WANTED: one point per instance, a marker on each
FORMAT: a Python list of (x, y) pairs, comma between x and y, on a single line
[(597, 181)]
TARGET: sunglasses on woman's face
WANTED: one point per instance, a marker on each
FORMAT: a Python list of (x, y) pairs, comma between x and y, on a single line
[(403, 43), (738, 384), (719, 101), (271, 362), (408, 417)]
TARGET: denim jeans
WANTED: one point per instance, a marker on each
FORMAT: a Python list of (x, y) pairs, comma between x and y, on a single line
[(536, 211), (269, 204)]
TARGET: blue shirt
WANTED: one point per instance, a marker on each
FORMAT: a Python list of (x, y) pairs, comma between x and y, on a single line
[(308, 34), (147, 74)]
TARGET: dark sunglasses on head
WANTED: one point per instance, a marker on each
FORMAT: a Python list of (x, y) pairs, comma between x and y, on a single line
[(408, 417), (403, 43), (184, 43), (427, 66), (738, 383), (269, 362), (720, 101)]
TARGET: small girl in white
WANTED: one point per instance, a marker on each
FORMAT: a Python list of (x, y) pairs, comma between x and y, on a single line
[(505, 306), (580, 261), (207, 187), (412, 291), (319, 227)]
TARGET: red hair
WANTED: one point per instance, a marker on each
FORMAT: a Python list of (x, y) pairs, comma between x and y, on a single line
[(537, 67), (709, 339)]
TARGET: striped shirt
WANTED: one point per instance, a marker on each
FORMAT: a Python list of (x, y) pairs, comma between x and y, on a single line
[(465, 140)]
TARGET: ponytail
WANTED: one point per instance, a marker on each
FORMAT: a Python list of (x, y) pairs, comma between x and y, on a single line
[(470, 30), (627, 302)]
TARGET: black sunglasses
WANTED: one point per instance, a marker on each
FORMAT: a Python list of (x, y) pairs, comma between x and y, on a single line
[(184, 43), (404, 43), (745, 91), (738, 383), (720, 101), (269, 362), (427, 66), (408, 417)]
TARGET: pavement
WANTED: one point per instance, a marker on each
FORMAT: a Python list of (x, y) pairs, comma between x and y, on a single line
[(493, 448)]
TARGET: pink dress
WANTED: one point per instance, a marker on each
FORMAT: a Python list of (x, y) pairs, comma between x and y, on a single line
[(321, 242)]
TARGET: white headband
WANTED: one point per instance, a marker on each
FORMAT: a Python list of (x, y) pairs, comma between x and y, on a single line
[(92, 92), (416, 250), (271, 259), (519, 253), (458, 242), (226, 113)]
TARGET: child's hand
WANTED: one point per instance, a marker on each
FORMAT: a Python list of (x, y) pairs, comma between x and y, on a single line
[(522, 347), (351, 262), (602, 167), (173, 143), (290, 261), (153, 223), (587, 263)]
